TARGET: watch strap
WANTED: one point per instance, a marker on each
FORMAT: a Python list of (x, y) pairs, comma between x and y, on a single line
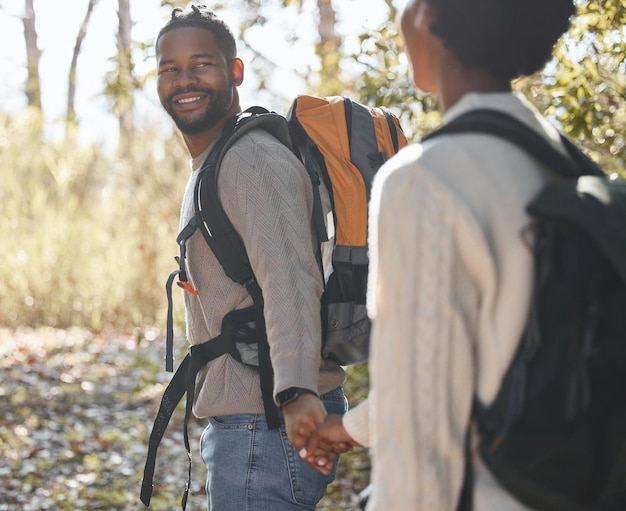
[(291, 394)]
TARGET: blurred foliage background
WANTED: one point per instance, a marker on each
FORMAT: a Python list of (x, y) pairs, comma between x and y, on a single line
[(88, 235)]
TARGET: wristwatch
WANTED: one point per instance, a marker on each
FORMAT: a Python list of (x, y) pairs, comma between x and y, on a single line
[(291, 394)]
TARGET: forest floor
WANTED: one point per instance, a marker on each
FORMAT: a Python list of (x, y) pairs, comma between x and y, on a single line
[(76, 409)]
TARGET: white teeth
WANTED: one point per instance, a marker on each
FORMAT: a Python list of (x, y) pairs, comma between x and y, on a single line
[(188, 100)]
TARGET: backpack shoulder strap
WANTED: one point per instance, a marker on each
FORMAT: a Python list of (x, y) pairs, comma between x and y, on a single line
[(218, 230), (230, 251), (226, 243), (223, 239), (503, 125), (577, 200)]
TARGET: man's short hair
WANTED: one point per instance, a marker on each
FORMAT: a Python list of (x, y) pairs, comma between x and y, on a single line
[(203, 17)]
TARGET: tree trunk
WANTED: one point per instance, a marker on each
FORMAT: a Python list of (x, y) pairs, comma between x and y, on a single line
[(329, 50), (126, 79), (33, 54), (71, 91)]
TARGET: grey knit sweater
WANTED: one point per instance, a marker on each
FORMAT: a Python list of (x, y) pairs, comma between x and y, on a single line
[(266, 193)]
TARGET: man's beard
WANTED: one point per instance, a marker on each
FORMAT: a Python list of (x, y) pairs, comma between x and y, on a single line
[(219, 103)]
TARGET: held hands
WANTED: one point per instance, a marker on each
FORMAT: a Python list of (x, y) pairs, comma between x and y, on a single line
[(325, 443), (319, 438), (302, 416)]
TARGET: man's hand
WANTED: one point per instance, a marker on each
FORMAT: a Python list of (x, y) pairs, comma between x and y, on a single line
[(324, 445), (302, 416)]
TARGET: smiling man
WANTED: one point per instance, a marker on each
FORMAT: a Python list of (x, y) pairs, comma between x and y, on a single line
[(198, 72), (266, 193)]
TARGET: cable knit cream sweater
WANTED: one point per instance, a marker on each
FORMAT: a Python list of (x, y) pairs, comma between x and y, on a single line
[(450, 282), (266, 193)]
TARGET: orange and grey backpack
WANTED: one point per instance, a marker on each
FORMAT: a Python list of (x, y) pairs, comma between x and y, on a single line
[(342, 144)]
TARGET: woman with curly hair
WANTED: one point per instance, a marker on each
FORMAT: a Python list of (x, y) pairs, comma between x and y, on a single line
[(450, 275)]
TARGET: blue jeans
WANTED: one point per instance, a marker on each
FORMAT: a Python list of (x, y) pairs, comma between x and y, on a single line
[(253, 468)]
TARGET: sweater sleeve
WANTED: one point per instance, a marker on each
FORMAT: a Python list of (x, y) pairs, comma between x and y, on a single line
[(357, 421), (267, 195), (421, 357)]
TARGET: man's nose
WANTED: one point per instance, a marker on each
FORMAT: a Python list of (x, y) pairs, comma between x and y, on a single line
[(186, 78)]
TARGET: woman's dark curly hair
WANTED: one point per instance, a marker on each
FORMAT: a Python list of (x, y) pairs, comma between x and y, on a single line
[(203, 17), (507, 38)]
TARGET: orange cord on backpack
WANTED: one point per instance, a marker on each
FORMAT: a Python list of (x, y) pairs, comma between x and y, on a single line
[(188, 287)]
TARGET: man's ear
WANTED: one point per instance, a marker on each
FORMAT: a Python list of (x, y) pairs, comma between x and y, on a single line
[(236, 69)]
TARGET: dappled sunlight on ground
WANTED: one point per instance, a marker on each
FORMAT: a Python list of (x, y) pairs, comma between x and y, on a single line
[(76, 410)]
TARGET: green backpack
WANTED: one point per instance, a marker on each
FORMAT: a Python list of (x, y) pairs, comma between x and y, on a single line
[(555, 436)]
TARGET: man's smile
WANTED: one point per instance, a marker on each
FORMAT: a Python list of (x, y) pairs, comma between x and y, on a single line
[(188, 100)]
